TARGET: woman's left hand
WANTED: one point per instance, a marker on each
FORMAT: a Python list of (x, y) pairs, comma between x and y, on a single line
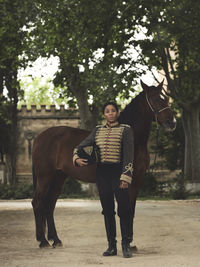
[(123, 185)]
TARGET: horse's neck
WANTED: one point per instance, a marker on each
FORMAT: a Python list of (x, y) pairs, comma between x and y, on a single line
[(140, 119), (142, 128)]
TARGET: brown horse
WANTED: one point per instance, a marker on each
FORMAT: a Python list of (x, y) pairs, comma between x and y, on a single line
[(53, 148)]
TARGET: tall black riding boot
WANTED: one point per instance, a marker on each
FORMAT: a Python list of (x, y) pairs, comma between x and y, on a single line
[(110, 225), (125, 232)]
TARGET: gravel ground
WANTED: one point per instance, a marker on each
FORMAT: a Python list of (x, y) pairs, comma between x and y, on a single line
[(167, 233)]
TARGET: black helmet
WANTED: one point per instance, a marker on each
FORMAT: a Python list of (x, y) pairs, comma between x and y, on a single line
[(91, 153)]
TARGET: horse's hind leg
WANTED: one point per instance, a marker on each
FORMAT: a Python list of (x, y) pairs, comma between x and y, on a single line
[(52, 196), (38, 204)]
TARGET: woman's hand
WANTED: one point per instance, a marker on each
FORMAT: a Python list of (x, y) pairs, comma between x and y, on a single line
[(81, 162), (123, 185)]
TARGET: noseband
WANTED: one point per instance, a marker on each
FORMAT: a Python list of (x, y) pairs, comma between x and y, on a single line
[(154, 111)]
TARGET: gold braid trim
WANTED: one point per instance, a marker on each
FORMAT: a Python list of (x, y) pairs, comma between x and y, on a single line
[(75, 156), (126, 178), (109, 142)]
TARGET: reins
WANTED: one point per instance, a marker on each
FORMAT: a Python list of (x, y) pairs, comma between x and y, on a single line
[(157, 128), (156, 150)]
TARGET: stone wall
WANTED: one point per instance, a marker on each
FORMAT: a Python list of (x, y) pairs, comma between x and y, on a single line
[(32, 122)]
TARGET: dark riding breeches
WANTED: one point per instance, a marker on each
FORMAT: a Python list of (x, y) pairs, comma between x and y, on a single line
[(108, 182)]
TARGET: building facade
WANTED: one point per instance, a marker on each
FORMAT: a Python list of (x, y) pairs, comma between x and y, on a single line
[(33, 121)]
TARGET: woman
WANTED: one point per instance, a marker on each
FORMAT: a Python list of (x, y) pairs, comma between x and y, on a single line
[(113, 174)]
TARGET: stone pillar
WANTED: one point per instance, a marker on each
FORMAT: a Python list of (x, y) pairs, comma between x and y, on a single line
[(33, 109), (62, 108)]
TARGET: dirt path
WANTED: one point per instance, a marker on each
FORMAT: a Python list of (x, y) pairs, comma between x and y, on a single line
[(167, 233)]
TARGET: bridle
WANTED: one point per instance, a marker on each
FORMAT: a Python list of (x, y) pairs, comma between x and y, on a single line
[(154, 111)]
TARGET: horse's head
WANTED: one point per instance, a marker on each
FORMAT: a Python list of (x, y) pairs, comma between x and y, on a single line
[(158, 103)]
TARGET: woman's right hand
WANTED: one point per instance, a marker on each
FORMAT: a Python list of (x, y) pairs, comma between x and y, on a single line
[(81, 162)]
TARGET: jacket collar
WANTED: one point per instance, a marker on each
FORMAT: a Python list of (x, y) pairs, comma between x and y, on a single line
[(112, 124)]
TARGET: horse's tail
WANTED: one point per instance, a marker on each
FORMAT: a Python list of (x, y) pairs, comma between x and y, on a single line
[(34, 178)]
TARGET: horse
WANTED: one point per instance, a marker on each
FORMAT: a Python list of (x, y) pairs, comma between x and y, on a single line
[(53, 150)]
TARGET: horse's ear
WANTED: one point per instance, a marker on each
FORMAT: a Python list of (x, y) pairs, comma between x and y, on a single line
[(159, 87), (144, 86)]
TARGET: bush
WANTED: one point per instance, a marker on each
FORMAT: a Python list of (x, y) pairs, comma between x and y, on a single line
[(179, 191), (72, 188), (24, 191), (18, 191), (149, 186)]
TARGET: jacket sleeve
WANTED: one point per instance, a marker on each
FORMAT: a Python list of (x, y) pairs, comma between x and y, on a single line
[(127, 154), (88, 141)]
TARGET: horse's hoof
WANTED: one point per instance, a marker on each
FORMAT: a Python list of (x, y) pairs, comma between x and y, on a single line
[(44, 244), (133, 248), (57, 244)]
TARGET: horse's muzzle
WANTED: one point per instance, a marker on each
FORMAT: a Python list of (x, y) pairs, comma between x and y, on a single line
[(170, 125)]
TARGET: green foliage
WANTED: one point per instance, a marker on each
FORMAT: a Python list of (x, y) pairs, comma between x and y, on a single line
[(37, 92), (178, 190), (174, 188), (15, 23), (16, 17), (172, 44), (18, 191), (93, 43), (149, 185), (170, 146), (72, 189)]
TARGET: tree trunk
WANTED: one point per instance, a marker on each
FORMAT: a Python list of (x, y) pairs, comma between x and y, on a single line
[(190, 119), (86, 117), (14, 132), (12, 86), (73, 79)]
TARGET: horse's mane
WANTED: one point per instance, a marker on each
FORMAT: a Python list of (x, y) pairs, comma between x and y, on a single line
[(130, 113)]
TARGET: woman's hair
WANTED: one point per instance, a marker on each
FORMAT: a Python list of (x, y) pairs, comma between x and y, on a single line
[(110, 103)]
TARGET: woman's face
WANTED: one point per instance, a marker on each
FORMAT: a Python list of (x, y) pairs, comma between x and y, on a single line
[(110, 113)]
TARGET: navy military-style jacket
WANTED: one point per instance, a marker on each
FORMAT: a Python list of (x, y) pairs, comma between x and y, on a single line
[(115, 142)]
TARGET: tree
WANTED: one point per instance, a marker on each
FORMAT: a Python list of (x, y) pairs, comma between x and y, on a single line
[(39, 92), (93, 44), (14, 24), (172, 45)]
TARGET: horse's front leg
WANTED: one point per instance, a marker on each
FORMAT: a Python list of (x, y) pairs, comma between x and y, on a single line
[(133, 193), (133, 197), (52, 233)]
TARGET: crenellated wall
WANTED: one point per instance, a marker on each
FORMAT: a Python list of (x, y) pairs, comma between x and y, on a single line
[(47, 112), (33, 121)]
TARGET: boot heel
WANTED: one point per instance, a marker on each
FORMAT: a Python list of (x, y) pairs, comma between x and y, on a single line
[(112, 249), (126, 250), (110, 225)]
